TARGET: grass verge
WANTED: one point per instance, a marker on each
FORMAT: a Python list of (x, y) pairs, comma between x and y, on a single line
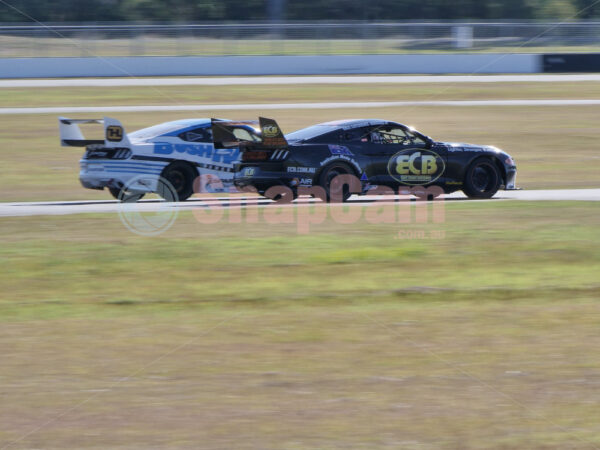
[(246, 336)]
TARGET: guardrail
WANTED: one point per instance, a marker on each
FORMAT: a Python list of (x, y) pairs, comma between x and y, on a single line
[(292, 38)]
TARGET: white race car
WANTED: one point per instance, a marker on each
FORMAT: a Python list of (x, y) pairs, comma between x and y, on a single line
[(131, 164)]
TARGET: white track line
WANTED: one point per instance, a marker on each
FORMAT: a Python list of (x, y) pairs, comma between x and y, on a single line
[(348, 79), (221, 202), (270, 106)]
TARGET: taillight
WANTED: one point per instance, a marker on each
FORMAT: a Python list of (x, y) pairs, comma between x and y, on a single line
[(255, 156)]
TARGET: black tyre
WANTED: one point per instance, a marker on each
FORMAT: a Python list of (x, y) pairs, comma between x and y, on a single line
[(335, 191), (482, 179), (289, 196), (426, 194), (181, 176), (124, 195)]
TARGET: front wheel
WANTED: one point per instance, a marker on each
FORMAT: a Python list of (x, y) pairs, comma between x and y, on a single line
[(482, 179)]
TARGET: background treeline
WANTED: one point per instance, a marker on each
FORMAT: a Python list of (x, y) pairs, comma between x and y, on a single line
[(259, 10)]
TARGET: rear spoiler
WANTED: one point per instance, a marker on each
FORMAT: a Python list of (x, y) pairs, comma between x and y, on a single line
[(270, 134), (71, 135)]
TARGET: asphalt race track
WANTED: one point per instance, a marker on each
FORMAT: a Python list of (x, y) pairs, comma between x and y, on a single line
[(236, 201), (278, 106)]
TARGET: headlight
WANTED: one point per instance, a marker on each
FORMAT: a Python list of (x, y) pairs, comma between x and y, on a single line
[(509, 161)]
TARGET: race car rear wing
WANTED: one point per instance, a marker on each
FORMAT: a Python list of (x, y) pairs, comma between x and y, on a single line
[(271, 137), (71, 135)]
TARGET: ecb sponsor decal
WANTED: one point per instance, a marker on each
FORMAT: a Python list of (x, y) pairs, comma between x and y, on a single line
[(270, 131), (221, 155), (416, 166)]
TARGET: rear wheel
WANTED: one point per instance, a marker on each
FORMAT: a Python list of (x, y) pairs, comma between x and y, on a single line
[(124, 195), (279, 193), (482, 179), (334, 189), (181, 176)]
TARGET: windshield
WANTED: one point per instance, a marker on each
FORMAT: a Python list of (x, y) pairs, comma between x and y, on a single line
[(309, 133)]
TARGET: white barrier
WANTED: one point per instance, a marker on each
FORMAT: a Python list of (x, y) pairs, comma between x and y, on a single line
[(269, 65)]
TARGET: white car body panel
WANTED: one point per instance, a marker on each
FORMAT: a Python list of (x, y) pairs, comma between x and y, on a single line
[(143, 155)]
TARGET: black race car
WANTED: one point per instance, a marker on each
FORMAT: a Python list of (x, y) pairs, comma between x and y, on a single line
[(336, 159)]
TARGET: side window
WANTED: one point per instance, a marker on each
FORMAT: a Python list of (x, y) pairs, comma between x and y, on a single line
[(389, 135), (244, 135), (197, 135), (356, 135)]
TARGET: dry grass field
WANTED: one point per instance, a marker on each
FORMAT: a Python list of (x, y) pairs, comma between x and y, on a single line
[(356, 336)]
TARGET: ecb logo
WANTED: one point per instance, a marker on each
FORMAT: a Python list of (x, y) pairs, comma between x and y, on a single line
[(416, 166), (270, 131), (406, 165)]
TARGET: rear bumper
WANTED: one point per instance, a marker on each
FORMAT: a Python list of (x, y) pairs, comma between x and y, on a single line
[(98, 174)]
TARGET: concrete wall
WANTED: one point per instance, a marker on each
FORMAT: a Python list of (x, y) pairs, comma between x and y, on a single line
[(269, 65)]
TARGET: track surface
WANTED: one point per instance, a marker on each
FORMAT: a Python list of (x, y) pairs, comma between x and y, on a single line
[(270, 106), (225, 81), (220, 201)]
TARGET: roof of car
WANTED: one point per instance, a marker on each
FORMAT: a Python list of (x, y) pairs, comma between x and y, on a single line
[(190, 122), (354, 123)]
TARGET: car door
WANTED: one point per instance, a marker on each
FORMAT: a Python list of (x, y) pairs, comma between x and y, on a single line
[(357, 140), (401, 157)]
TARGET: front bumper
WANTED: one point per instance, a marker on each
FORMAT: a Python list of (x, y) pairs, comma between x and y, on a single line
[(511, 179)]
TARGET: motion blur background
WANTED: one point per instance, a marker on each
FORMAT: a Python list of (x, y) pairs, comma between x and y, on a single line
[(178, 27)]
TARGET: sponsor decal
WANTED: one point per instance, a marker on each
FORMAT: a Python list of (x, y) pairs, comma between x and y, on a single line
[(274, 142), (270, 131), (343, 158), (306, 182), (456, 183), (222, 155), (340, 150), (271, 134), (416, 166), (114, 133), (455, 148), (302, 169), (249, 171)]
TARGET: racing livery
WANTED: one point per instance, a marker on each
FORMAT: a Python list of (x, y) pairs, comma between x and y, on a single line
[(179, 151), (379, 155)]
